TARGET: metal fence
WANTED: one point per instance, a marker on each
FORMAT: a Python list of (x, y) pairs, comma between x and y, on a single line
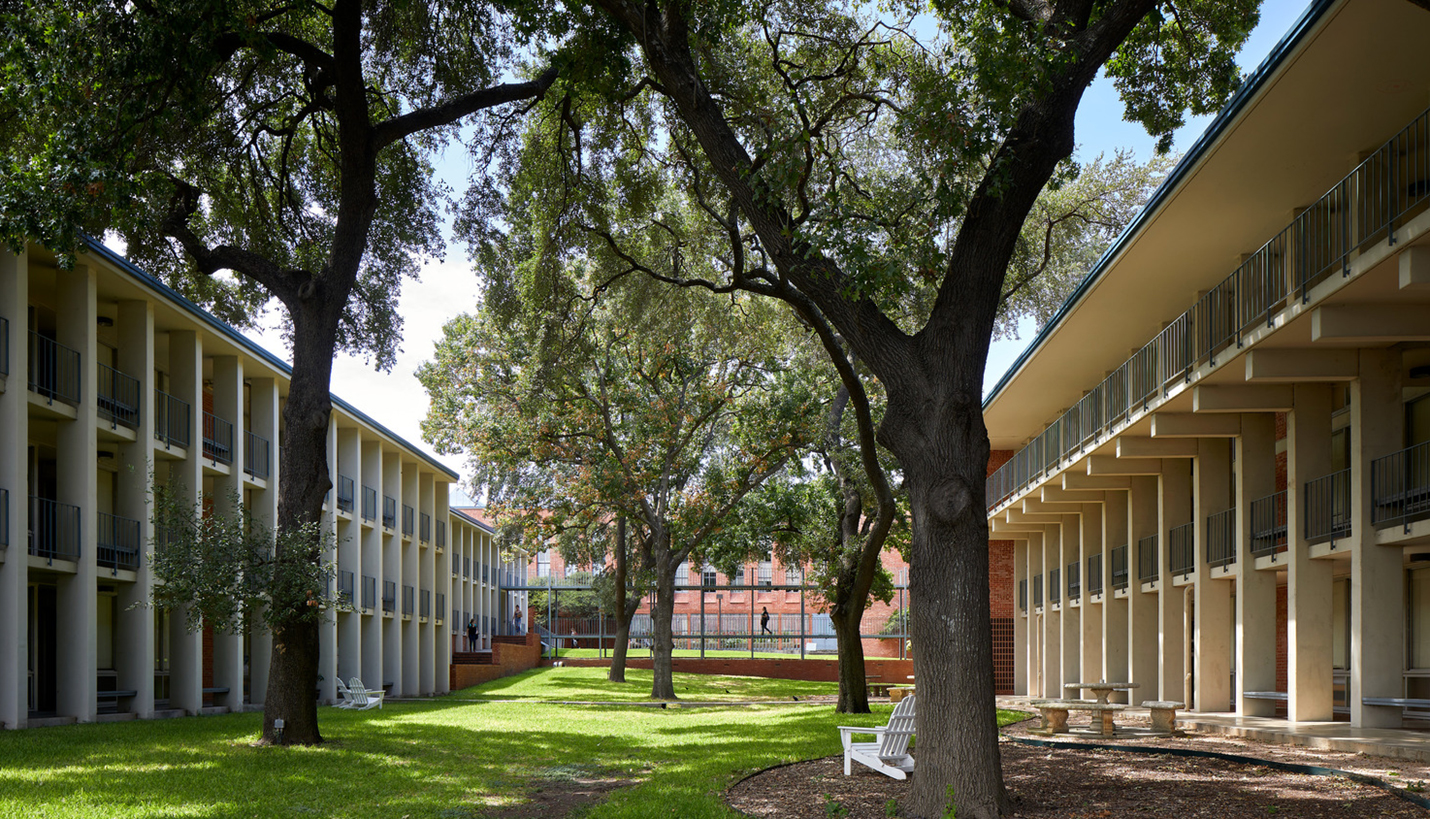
[(1119, 567), (389, 512), (346, 497), (117, 542), (1328, 507), (1391, 186), (171, 420), (1094, 573), (1221, 538), (1400, 486), (1147, 559), (257, 455), (54, 529), (54, 370), (218, 439), (116, 396), (1182, 548), (1268, 525), (1074, 581)]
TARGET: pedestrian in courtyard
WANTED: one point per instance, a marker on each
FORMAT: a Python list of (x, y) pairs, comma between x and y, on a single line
[(765, 620), (472, 634), (518, 621)]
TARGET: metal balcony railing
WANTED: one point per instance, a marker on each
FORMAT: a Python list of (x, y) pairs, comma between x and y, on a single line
[(1094, 573), (1023, 594), (345, 493), (369, 592), (1182, 549), (1268, 525), (54, 370), (369, 503), (407, 515), (218, 439), (389, 595), (171, 420), (424, 528), (1221, 538), (4, 517), (54, 529), (1037, 591), (257, 456), (117, 396), (1387, 189), (1328, 507), (1119, 567), (407, 597), (1400, 486), (441, 534), (389, 512), (345, 587), (425, 609), (4, 346), (1074, 581), (117, 542), (466, 567), (441, 606), (1055, 586), (1147, 559)]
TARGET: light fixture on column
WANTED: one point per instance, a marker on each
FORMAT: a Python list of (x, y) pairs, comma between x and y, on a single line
[(104, 321), (1419, 557), (1422, 371), (106, 455)]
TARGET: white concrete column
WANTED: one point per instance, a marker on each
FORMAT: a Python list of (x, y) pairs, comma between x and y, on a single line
[(263, 505), (1070, 631), (1308, 594), (370, 565), (391, 570), (77, 474), (352, 532), (134, 620), (1052, 619), (1174, 510), (411, 496), (1143, 635), (1212, 607), (186, 382), (1035, 620), (1114, 608), (1256, 626), (1377, 599), (1020, 619), (426, 561), (441, 579), (328, 626), (14, 427), (1090, 616), (227, 490)]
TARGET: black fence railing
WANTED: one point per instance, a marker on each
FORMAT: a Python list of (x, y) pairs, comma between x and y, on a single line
[(171, 420), (117, 542), (466, 567), (345, 493), (1387, 189), (408, 594), (257, 456), (1182, 549), (1094, 573), (424, 531), (441, 606), (1221, 538), (407, 516), (4, 517), (1037, 590), (4, 346), (116, 396), (389, 512), (1268, 525), (441, 534), (1055, 586), (1023, 594), (1147, 559), (425, 604), (54, 370), (1119, 567), (345, 586), (1400, 486), (369, 503), (389, 595), (1074, 580), (369, 592), (1328, 507), (54, 529), (218, 439)]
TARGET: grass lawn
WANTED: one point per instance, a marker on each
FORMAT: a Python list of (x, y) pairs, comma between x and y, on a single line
[(591, 685), (644, 653), (443, 759)]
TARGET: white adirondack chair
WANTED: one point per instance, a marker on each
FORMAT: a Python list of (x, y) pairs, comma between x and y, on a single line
[(357, 696), (890, 754), (345, 693)]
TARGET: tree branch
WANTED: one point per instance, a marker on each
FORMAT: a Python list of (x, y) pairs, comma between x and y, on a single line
[(392, 130)]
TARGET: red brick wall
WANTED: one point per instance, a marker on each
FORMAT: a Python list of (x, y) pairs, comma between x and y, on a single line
[(507, 659), (888, 671), (1281, 675), (997, 458)]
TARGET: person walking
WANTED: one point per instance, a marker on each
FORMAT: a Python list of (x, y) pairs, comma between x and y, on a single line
[(472, 634), (765, 620), (518, 621)]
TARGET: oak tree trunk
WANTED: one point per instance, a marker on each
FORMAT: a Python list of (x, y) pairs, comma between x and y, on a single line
[(853, 686), (663, 640)]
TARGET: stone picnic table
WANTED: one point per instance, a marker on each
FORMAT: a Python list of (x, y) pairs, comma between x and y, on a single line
[(1101, 690)]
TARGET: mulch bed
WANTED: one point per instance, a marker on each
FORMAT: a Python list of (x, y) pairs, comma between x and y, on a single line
[(1068, 783)]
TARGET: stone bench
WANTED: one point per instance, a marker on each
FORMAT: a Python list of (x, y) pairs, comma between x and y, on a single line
[(898, 692), (1281, 696), (1055, 715), (1164, 715), (1397, 702)]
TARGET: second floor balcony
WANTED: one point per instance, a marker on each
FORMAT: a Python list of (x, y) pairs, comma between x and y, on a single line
[(117, 397), (54, 370), (54, 530), (117, 542), (171, 420), (218, 439), (257, 456), (389, 512)]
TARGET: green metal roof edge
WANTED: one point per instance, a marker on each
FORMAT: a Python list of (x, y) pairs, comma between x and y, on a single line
[(1224, 118), (224, 329)]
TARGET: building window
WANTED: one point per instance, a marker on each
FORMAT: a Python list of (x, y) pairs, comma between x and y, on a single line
[(739, 577), (543, 563), (766, 573), (794, 576), (682, 573), (708, 577)]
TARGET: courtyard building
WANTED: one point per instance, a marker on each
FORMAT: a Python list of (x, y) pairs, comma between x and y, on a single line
[(107, 377), (1213, 463)]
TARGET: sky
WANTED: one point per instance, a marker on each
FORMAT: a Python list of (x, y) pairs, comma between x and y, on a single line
[(449, 287)]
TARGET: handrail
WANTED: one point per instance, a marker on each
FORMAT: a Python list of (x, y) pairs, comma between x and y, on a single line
[(54, 370), (345, 493), (54, 529), (369, 503), (217, 439), (257, 455), (1147, 559), (171, 420), (1119, 567), (118, 396), (1400, 486), (1094, 573), (1360, 210), (1074, 580), (1328, 507), (1221, 538), (1268, 525), (117, 542), (1181, 545)]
